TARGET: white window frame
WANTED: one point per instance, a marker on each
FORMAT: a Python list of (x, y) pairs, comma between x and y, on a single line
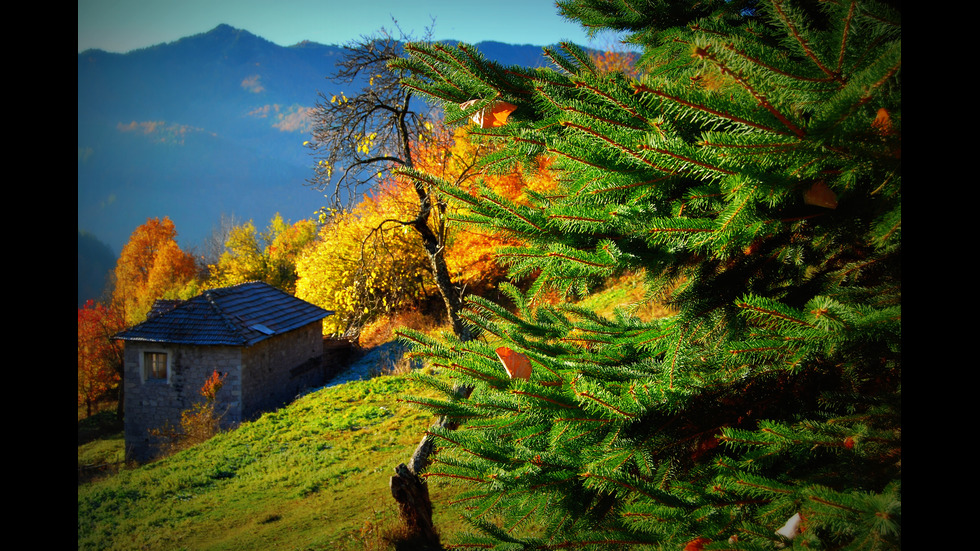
[(144, 368)]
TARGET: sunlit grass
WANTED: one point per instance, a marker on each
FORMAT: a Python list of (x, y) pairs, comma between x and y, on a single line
[(313, 475), (629, 294)]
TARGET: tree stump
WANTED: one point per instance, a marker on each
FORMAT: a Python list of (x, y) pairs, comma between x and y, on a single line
[(412, 495)]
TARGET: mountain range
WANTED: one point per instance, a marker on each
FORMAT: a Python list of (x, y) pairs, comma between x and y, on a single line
[(207, 126)]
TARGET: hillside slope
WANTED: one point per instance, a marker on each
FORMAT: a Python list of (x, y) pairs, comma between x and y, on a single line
[(313, 475)]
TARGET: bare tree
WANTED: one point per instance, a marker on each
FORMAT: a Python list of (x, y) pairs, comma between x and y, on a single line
[(359, 140), (213, 246)]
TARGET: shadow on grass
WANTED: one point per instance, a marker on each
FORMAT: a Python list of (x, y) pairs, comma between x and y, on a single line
[(99, 425), (99, 446)]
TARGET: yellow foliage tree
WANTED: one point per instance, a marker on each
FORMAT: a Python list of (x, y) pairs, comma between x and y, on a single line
[(283, 251), (368, 261), (251, 255), (363, 263), (242, 259)]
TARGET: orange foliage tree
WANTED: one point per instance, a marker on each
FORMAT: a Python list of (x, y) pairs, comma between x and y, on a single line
[(616, 61), (471, 252), (151, 266), (198, 424), (100, 358)]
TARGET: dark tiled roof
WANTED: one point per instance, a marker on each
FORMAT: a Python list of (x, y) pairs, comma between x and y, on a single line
[(241, 315)]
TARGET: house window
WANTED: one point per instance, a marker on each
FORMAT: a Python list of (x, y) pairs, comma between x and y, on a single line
[(155, 365)]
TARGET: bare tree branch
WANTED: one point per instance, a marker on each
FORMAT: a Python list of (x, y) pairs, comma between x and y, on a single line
[(369, 132)]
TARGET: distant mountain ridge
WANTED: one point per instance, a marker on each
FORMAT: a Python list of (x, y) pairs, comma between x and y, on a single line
[(207, 125)]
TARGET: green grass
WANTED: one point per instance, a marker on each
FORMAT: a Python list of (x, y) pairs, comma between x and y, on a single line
[(627, 293), (313, 475)]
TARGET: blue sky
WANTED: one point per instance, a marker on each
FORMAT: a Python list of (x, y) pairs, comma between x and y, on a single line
[(124, 25)]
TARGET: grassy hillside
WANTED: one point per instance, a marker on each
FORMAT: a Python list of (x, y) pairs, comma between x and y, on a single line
[(313, 475)]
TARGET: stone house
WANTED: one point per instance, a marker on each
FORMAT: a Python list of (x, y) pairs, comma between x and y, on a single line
[(267, 344)]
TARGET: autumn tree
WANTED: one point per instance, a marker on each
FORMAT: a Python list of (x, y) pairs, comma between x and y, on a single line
[(283, 250), (616, 60), (367, 263), (360, 267), (198, 424), (100, 357), (359, 140), (242, 258), (151, 266), (269, 256)]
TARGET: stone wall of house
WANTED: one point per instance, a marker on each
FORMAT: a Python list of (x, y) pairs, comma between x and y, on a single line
[(275, 371), (259, 378), (156, 404)]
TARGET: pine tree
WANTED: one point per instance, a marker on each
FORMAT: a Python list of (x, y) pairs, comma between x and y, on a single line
[(752, 173)]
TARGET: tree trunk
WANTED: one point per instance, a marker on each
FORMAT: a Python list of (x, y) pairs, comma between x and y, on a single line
[(434, 248), (412, 495), (450, 294), (407, 485)]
